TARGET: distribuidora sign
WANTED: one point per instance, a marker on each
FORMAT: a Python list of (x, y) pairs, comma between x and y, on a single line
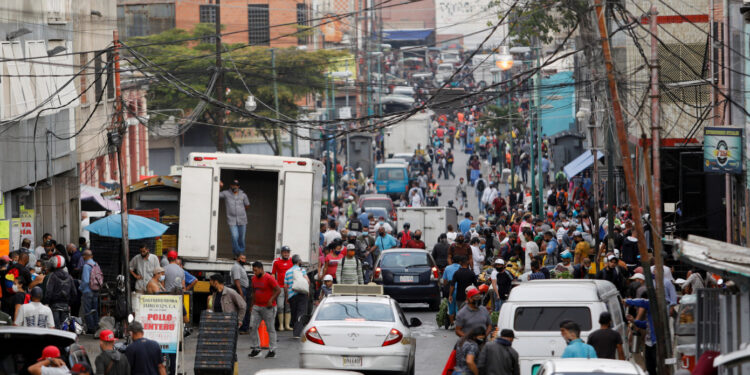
[(722, 150), (161, 316)]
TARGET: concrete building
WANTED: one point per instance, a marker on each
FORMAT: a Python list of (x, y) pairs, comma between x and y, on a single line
[(42, 113), (258, 22)]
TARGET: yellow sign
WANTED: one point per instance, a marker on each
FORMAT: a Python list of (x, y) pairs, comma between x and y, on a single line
[(2, 208), (5, 229)]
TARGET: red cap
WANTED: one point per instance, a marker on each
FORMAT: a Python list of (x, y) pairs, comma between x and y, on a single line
[(107, 336), (471, 293), (484, 288), (172, 255), (50, 351)]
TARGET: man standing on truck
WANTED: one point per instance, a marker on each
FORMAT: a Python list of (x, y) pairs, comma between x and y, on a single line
[(236, 204)]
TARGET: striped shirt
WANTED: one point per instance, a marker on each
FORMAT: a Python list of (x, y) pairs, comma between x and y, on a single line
[(289, 280), (349, 271)]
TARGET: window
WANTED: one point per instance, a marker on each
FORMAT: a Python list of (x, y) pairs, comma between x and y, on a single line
[(682, 69), (549, 318), (385, 174), (405, 260), (351, 311), (257, 24), (98, 91), (302, 21), (207, 13)]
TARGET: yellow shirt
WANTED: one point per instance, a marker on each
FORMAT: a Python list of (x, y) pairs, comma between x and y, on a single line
[(583, 250)]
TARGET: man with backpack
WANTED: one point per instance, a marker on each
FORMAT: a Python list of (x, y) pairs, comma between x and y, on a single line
[(110, 361), (561, 179), (60, 291), (350, 273), (92, 280), (480, 184)]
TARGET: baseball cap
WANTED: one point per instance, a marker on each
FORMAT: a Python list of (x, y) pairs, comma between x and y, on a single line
[(286, 248), (611, 256), (49, 351), (566, 254), (158, 269), (638, 276), (507, 333), (500, 261), (81, 368), (107, 335), (471, 293), (350, 247), (5, 258), (235, 182), (172, 255), (327, 278), (484, 288)]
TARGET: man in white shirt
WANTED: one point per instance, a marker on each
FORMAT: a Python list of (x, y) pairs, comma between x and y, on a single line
[(382, 223), (416, 200), (477, 255), (34, 313), (41, 248), (331, 234), (532, 249)]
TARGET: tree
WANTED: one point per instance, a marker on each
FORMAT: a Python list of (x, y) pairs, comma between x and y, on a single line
[(500, 120), (299, 73), (539, 20)]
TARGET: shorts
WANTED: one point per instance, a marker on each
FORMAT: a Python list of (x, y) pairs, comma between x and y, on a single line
[(452, 308)]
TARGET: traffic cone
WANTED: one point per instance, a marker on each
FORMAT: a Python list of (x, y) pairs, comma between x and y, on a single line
[(263, 335)]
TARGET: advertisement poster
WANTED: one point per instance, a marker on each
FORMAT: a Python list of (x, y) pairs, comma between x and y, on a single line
[(161, 316), (722, 150), (27, 225)]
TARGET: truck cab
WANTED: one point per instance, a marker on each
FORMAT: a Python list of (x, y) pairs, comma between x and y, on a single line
[(285, 198)]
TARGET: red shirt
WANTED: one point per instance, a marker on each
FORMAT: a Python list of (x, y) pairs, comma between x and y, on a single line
[(333, 260), (414, 244), (440, 132), (279, 268), (263, 287)]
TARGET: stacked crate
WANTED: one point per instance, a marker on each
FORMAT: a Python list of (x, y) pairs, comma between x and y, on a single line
[(216, 352)]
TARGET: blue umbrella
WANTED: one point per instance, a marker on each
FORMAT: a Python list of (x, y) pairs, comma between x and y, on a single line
[(138, 227)]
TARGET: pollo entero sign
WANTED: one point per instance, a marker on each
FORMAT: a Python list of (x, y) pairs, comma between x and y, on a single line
[(161, 316)]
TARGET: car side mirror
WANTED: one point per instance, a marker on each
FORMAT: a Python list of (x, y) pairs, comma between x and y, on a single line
[(415, 322)]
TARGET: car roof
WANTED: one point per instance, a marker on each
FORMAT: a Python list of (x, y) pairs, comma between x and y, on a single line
[(384, 298), (390, 165), (374, 196), (304, 371), (593, 365), (36, 331), (562, 290)]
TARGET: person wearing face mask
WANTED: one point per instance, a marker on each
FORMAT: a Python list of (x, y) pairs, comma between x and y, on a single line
[(236, 204), (501, 283), (416, 241), (472, 315), (571, 332), (156, 284), (278, 270), (20, 297), (385, 241), (349, 270), (142, 268), (332, 260), (467, 352), (60, 290), (497, 357)]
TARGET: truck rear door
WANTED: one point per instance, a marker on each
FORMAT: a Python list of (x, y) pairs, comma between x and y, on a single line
[(196, 196), (297, 207)]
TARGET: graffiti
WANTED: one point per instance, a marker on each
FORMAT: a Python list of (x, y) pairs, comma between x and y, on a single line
[(452, 8)]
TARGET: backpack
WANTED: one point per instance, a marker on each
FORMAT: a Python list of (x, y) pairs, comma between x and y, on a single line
[(299, 283), (96, 278), (66, 284), (561, 178), (480, 185)]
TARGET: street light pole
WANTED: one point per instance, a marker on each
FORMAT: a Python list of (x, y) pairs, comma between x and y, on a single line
[(538, 122)]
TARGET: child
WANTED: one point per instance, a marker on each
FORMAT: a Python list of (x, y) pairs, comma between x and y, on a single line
[(327, 287)]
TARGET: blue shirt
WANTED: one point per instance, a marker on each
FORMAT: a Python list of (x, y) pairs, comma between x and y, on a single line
[(189, 278), (545, 165), (464, 225), (385, 242), (364, 220), (552, 247), (289, 280), (86, 276), (579, 349), (448, 274)]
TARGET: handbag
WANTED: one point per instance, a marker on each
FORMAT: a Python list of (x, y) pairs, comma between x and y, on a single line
[(299, 283)]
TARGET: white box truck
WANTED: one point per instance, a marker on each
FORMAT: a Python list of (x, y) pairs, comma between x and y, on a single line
[(432, 221), (285, 197), (404, 136)]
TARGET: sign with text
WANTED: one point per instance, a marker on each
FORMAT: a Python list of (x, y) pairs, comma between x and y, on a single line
[(27, 225), (161, 316), (722, 149)]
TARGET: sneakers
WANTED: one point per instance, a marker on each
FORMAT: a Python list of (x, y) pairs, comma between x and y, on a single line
[(244, 332), (254, 353), (271, 354)]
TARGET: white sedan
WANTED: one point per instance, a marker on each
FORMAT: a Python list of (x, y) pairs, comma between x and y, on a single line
[(360, 333)]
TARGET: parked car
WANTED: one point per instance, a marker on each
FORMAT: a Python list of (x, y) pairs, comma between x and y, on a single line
[(25, 345), (377, 200), (361, 333), (403, 90), (444, 71), (409, 275), (583, 366)]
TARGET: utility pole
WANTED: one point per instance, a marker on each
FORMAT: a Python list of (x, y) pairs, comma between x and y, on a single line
[(532, 158), (276, 131), (538, 122), (659, 323), (219, 81), (121, 129)]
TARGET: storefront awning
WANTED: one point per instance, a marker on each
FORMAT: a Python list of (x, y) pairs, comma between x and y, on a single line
[(406, 35), (582, 162)]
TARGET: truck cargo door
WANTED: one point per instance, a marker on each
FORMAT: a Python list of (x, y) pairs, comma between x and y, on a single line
[(196, 196), (298, 205)]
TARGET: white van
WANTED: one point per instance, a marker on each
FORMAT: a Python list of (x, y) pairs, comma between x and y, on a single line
[(535, 309)]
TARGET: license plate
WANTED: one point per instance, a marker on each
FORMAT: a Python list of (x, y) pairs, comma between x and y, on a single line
[(352, 361), (406, 279)]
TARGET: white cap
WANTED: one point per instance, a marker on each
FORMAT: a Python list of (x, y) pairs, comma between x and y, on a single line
[(327, 278), (638, 276), (610, 257), (499, 261)]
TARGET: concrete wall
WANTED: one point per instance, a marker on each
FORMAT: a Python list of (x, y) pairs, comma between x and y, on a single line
[(416, 15)]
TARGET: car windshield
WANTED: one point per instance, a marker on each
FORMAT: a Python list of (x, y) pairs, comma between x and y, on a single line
[(405, 260), (356, 312), (376, 205), (390, 174), (548, 318)]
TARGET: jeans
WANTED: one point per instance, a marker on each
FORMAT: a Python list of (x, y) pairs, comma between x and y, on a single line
[(90, 303), (246, 319), (480, 204), (449, 170), (60, 312), (238, 239), (498, 303), (282, 304), (298, 303), (268, 315)]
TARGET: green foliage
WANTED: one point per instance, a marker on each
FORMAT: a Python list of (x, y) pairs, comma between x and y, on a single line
[(501, 119), (540, 19), (299, 73)]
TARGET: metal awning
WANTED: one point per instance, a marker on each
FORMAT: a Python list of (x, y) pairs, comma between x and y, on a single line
[(582, 162), (721, 258), (734, 358)]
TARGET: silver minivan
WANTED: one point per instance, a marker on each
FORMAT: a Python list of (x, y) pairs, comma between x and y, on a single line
[(535, 309)]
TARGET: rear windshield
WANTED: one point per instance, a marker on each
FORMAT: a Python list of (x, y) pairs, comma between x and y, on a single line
[(404, 260), (390, 174), (356, 312), (379, 203), (546, 318)]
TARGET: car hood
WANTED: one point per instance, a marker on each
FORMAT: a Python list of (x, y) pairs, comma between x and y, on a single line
[(49, 336)]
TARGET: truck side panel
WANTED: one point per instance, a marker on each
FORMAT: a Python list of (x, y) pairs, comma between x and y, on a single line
[(298, 202), (407, 134), (195, 212)]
